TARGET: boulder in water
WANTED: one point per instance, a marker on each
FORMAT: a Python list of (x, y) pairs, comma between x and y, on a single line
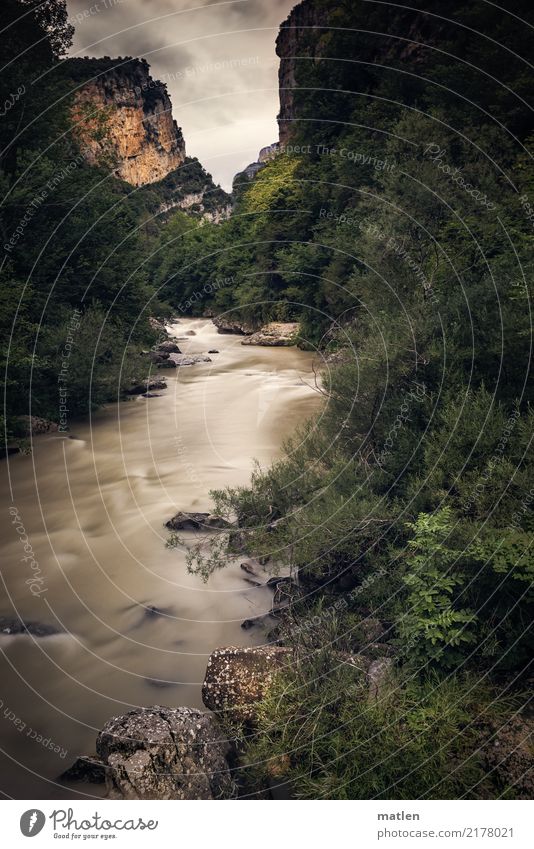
[(34, 629), (148, 385), (190, 359), (196, 522), (168, 347), (152, 612)]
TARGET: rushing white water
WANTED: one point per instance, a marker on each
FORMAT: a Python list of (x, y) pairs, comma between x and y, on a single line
[(93, 507)]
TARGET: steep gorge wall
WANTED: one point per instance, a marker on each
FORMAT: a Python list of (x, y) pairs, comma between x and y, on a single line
[(123, 119), (296, 39), (314, 30)]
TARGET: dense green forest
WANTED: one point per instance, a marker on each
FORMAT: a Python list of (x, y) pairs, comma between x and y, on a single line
[(396, 225)]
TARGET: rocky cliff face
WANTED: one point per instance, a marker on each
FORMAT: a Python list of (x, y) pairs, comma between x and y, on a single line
[(376, 35), (296, 39), (123, 119)]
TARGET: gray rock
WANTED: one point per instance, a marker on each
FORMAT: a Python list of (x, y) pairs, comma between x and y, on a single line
[(150, 384), (166, 363), (380, 675), (190, 359), (237, 678), (158, 324), (168, 347), (196, 522), (165, 753), (156, 358)]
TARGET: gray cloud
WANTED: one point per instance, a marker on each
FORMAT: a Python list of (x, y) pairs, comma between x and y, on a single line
[(218, 60)]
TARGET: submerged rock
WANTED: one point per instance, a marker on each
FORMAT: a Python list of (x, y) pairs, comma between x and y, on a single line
[(237, 678), (148, 385), (35, 629), (264, 621), (151, 611), (190, 359), (251, 568), (196, 522), (165, 753)]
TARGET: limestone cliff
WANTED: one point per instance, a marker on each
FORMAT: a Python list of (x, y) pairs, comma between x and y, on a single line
[(123, 119)]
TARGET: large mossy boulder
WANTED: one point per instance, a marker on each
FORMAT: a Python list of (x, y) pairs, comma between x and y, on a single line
[(165, 753)]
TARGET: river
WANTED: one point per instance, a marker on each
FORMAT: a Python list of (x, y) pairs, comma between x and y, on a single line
[(93, 507)]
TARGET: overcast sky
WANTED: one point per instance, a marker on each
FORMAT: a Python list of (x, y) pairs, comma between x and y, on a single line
[(217, 58)]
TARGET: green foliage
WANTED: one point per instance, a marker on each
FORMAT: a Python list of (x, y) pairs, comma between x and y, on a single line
[(319, 733), (433, 627)]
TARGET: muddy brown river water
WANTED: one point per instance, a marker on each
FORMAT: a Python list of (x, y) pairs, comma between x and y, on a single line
[(93, 508)]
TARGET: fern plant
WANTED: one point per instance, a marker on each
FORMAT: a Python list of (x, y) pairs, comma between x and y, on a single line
[(433, 626)]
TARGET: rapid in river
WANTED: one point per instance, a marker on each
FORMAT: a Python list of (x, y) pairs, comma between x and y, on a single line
[(93, 506)]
